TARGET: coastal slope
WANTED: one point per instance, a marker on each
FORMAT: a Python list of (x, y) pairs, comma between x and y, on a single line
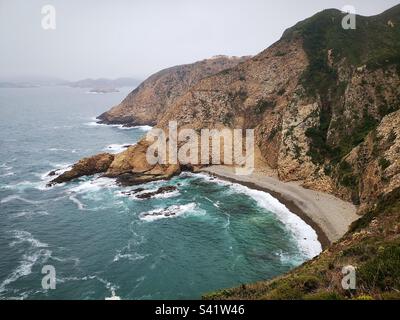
[(145, 104)]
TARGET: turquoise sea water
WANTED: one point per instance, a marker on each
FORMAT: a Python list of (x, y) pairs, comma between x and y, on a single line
[(99, 240)]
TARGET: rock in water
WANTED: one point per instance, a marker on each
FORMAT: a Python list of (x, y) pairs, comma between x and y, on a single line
[(146, 195), (85, 167)]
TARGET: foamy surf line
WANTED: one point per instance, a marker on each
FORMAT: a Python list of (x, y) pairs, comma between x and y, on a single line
[(95, 123), (36, 252), (306, 237), (169, 212), (117, 148)]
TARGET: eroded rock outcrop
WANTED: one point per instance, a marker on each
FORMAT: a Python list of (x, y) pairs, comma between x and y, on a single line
[(129, 167), (85, 167)]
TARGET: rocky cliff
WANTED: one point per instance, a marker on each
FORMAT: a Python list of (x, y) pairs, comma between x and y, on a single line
[(324, 103), (145, 104)]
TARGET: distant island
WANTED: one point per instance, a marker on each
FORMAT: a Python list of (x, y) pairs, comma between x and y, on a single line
[(103, 85), (100, 85), (103, 90)]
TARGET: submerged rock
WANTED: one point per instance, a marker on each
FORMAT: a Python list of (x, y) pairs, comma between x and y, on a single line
[(161, 190), (85, 167), (134, 191)]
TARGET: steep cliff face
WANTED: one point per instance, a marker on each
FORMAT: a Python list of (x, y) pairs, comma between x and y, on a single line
[(314, 99), (322, 101), (145, 104), (325, 106)]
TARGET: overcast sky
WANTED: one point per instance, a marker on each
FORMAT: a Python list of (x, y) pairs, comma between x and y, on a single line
[(114, 38)]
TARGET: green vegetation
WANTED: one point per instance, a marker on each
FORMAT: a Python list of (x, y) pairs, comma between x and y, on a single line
[(319, 148), (392, 136), (280, 54), (382, 272), (273, 133), (263, 105), (281, 92), (372, 43), (384, 163), (228, 119)]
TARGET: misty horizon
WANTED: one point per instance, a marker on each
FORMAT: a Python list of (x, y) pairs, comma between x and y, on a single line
[(132, 39)]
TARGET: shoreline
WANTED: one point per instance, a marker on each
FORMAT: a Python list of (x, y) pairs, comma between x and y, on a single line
[(329, 216)]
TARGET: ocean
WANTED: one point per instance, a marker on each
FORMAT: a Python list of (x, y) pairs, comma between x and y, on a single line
[(105, 243)]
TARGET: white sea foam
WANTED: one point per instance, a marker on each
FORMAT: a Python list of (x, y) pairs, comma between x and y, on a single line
[(166, 195), (58, 149), (110, 286), (162, 195), (89, 187), (25, 266), (20, 186), (93, 185), (59, 168), (35, 253), (18, 198), (306, 237), (215, 204), (129, 256), (117, 148), (30, 214), (143, 128), (79, 204), (169, 212), (63, 127), (94, 123), (74, 259), (26, 237), (5, 166), (7, 174)]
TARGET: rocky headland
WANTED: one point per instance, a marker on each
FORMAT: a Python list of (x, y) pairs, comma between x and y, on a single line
[(324, 103)]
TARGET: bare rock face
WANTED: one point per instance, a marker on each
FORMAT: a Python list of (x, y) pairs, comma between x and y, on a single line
[(145, 104), (324, 109), (86, 167), (377, 161), (129, 167)]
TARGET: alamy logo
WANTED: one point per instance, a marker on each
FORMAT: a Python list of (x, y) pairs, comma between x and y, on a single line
[(349, 278), (187, 147), (349, 20), (49, 280), (49, 17)]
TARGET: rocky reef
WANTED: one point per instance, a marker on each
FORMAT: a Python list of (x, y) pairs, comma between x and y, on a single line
[(85, 167), (129, 167)]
